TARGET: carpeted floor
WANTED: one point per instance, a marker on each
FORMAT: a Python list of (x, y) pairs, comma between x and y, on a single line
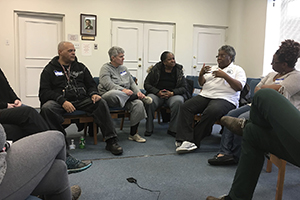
[(162, 173)]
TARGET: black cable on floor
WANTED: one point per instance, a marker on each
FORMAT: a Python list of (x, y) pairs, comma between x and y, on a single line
[(133, 180)]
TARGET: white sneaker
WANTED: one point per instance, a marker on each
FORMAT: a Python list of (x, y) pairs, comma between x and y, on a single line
[(186, 147), (147, 100), (178, 144), (136, 138)]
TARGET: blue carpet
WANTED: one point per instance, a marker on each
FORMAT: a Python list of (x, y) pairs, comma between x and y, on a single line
[(156, 166)]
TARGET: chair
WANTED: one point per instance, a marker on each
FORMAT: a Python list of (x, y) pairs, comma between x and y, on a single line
[(280, 163), (81, 117)]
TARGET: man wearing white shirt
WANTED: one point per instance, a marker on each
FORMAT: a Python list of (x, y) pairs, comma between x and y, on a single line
[(221, 86)]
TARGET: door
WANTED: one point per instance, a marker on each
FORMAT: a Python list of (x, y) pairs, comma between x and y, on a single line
[(206, 42), (129, 36), (38, 37), (143, 44)]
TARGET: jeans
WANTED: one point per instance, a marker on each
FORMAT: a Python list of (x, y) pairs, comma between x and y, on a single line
[(230, 142)]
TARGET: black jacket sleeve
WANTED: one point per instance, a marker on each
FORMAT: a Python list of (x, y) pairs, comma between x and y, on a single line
[(46, 92), (149, 83)]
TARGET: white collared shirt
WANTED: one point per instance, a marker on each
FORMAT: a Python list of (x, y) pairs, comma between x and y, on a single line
[(219, 88)]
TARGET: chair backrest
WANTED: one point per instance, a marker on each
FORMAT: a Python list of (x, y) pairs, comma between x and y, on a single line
[(190, 86), (252, 83), (195, 79), (96, 79)]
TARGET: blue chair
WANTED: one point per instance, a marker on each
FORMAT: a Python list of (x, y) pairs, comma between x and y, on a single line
[(196, 84), (252, 82)]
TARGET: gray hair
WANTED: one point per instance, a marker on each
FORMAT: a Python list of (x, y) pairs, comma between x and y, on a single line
[(114, 51), (229, 50)]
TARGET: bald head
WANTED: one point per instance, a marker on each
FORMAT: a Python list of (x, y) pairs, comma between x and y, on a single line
[(66, 52)]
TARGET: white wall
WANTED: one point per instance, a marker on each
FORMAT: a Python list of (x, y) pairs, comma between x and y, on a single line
[(247, 34), (245, 19)]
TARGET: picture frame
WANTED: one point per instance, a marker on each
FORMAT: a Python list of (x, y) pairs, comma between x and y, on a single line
[(88, 24)]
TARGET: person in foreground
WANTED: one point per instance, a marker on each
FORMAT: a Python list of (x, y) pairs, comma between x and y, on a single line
[(18, 120), (273, 128), (221, 86), (165, 84), (38, 169), (285, 80), (118, 88)]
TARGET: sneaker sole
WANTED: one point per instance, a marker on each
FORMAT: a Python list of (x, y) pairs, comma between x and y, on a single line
[(136, 140), (72, 171), (181, 151)]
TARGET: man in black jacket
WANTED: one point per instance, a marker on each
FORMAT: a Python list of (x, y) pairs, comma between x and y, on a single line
[(67, 85)]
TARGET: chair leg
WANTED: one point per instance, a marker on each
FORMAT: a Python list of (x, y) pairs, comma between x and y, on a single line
[(85, 129), (280, 181), (95, 133), (269, 166), (122, 123), (158, 116)]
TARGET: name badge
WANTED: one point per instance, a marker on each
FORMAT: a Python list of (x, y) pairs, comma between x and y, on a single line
[(278, 81), (57, 73), (123, 73)]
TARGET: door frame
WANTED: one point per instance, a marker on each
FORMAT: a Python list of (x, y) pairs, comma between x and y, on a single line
[(17, 15)]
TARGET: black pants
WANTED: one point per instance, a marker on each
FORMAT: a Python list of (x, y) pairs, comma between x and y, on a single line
[(53, 112), (21, 121), (211, 110)]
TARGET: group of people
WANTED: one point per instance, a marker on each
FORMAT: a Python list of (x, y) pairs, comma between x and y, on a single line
[(67, 85)]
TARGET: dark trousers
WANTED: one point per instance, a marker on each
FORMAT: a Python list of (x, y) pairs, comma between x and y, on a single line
[(53, 112), (273, 127), (211, 110), (21, 121)]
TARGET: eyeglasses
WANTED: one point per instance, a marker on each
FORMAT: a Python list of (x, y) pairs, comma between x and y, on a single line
[(221, 55)]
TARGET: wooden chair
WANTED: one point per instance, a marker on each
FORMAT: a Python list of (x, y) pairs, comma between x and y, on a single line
[(116, 113), (280, 163), (81, 117)]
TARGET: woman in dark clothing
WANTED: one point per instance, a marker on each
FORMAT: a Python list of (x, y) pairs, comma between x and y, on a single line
[(165, 84)]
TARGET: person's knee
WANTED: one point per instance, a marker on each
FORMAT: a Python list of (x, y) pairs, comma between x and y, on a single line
[(138, 105), (56, 138), (27, 110), (102, 103), (47, 106), (176, 104), (263, 93)]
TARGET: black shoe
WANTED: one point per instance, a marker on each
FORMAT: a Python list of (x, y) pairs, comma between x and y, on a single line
[(147, 134), (113, 146), (235, 125), (173, 134), (222, 160), (75, 165)]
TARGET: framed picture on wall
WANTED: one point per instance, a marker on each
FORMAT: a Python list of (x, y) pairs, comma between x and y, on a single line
[(88, 24)]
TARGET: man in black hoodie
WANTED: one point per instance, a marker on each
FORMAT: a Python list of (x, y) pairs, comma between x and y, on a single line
[(67, 85)]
